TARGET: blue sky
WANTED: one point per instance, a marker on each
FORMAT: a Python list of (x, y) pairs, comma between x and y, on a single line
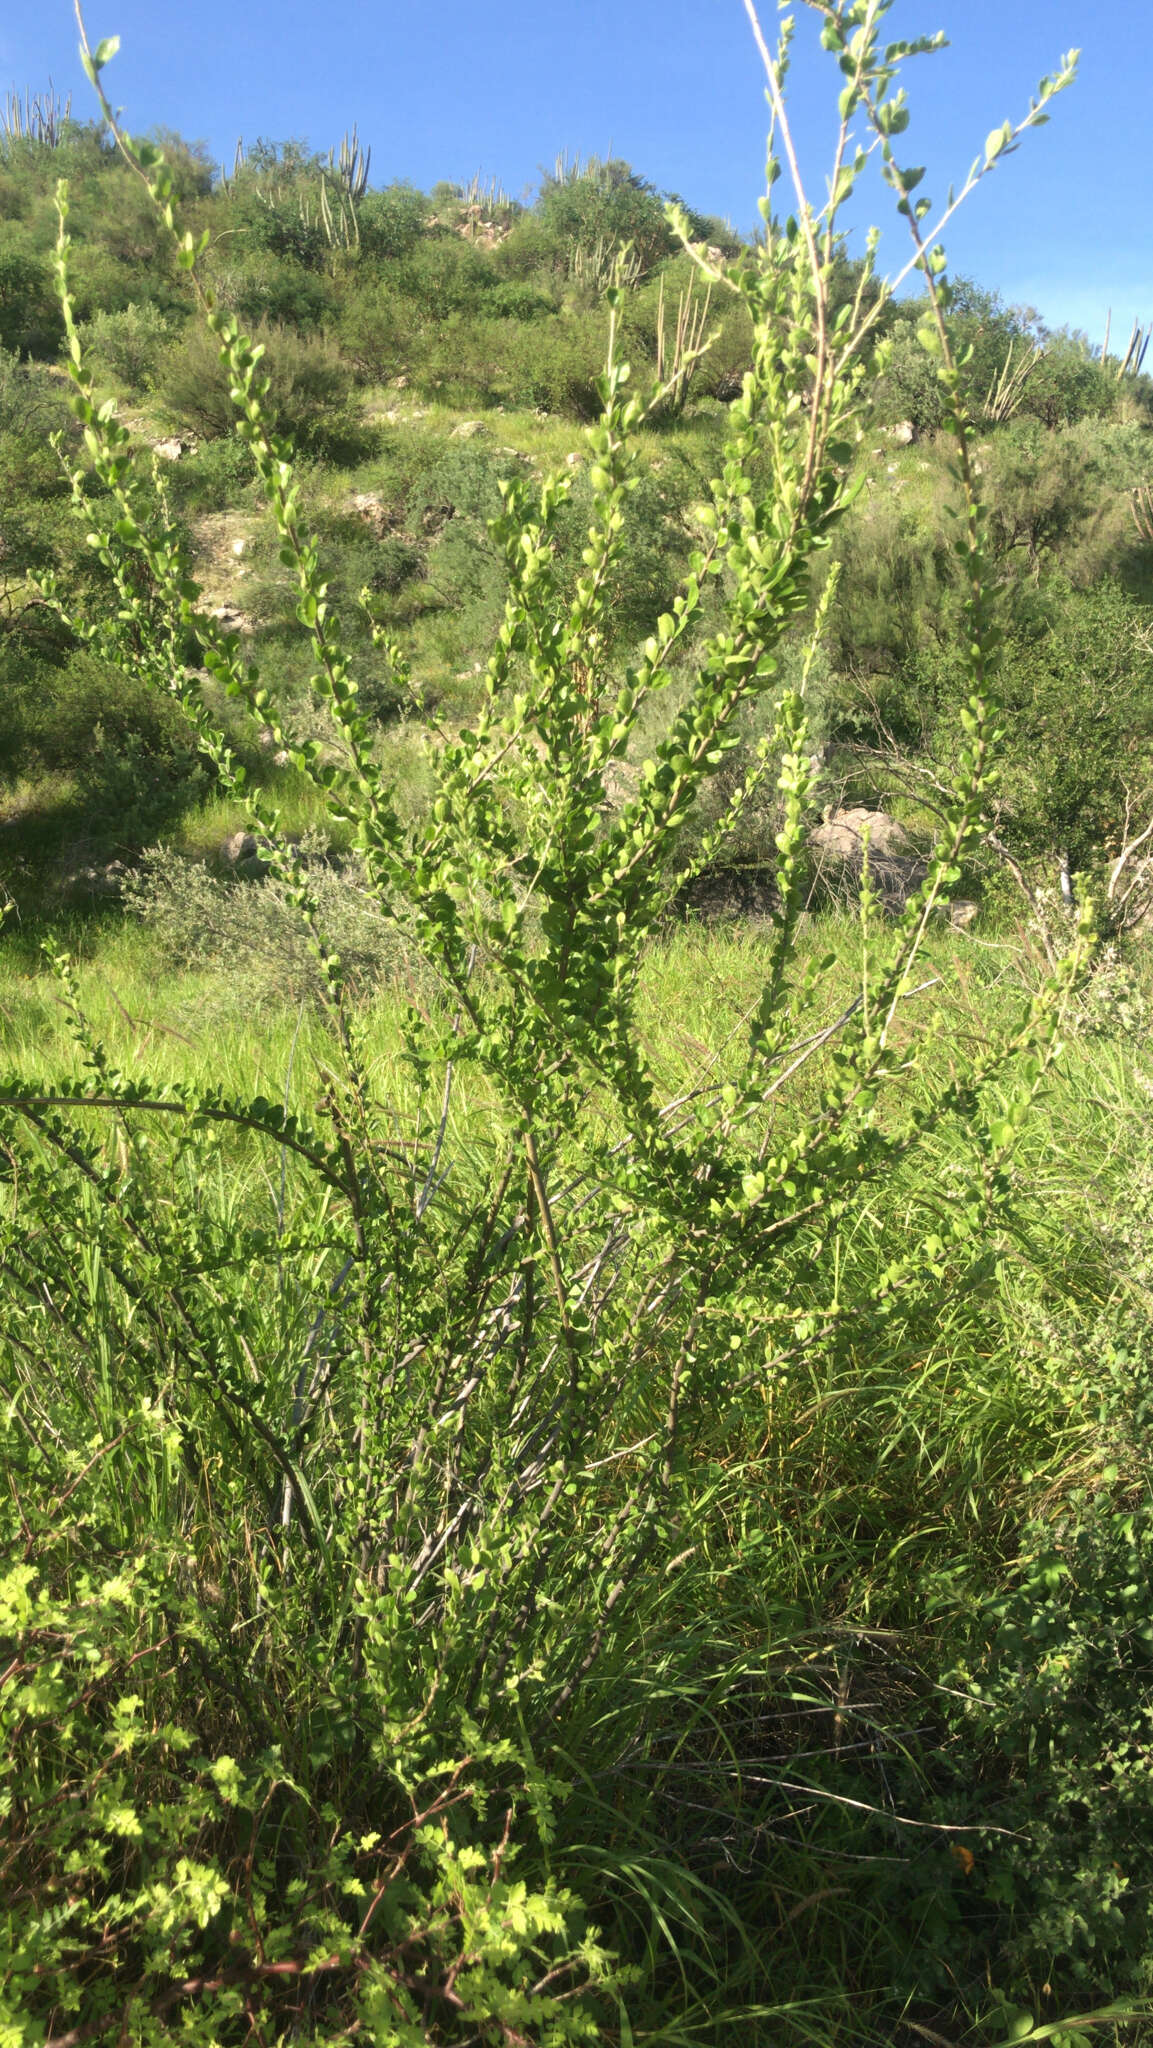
[(442, 90)]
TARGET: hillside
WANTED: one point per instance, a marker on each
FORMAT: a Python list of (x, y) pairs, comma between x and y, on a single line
[(423, 350)]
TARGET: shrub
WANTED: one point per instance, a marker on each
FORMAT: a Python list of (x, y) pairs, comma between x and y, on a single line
[(554, 366), (126, 749), (391, 222), (423, 1394), (126, 348), (604, 205), (1078, 688), (29, 316), (380, 333), (1058, 1711), (442, 274), (277, 290), (215, 478), (909, 389), (309, 395), (1069, 383), (253, 928)]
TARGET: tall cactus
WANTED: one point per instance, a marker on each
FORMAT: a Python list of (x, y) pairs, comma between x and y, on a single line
[(351, 165), (1128, 365), (1141, 506), (38, 117), (1008, 387), (679, 355)]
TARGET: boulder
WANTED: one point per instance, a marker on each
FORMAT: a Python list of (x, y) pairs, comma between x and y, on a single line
[(242, 854), (231, 618), (172, 449), (843, 835), (895, 868), (466, 430), (372, 508)]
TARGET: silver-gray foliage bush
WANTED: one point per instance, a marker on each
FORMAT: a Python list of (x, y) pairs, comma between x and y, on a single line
[(251, 928)]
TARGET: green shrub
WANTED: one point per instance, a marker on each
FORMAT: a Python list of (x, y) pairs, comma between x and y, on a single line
[(127, 751), (126, 348), (553, 365), (213, 479), (391, 222), (240, 1905), (441, 274), (278, 290), (909, 388), (1058, 1713), (380, 332), (409, 1435), (1077, 680), (29, 318), (530, 252), (606, 204), (35, 530), (309, 396), (1069, 383)]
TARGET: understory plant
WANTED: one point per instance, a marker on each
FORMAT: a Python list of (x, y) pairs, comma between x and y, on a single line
[(372, 1467)]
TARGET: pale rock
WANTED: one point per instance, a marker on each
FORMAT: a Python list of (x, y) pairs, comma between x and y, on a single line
[(231, 618), (843, 834)]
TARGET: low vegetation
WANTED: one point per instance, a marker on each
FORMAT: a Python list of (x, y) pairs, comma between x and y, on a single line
[(575, 1473)]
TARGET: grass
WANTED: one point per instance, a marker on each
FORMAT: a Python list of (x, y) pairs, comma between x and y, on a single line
[(855, 1504)]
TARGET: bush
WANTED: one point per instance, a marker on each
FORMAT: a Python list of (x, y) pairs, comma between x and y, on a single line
[(380, 333), (215, 478), (909, 388), (603, 205), (278, 290), (1078, 690), (391, 222), (309, 398), (201, 1864), (429, 1413), (126, 348), (441, 274), (1058, 1713), (127, 751), (1069, 383), (29, 316), (35, 531), (252, 929), (553, 366)]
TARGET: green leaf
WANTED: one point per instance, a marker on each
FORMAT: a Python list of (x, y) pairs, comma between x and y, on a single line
[(997, 140)]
